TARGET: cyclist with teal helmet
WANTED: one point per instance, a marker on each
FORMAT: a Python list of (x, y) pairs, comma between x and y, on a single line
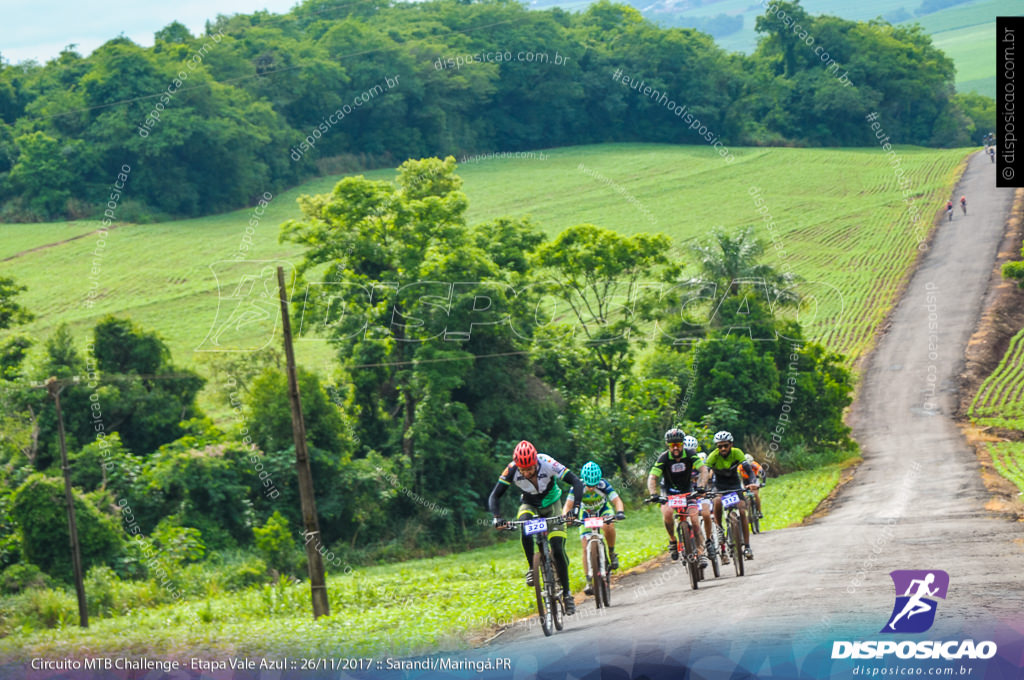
[(597, 494)]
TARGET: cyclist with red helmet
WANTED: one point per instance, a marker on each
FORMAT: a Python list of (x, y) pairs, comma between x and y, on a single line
[(537, 475), (673, 471)]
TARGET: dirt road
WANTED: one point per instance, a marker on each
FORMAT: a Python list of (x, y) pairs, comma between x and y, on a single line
[(917, 502)]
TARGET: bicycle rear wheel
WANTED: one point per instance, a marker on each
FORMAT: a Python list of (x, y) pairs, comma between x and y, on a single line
[(596, 575), (735, 542), (755, 523), (540, 587)]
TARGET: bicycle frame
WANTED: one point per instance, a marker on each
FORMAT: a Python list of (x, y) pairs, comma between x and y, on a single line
[(549, 605), (733, 538)]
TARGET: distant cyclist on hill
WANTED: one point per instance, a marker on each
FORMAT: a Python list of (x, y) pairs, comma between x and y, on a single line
[(537, 475), (963, 203), (949, 209)]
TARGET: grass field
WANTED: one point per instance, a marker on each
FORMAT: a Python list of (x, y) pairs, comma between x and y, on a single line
[(1008, 458), (410, 607), (972, 49), (838, 215), (967, 34), (1000, 399)]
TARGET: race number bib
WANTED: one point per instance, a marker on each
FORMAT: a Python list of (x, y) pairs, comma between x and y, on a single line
[(677, 501), (593, 522), (535, 526), (730, 500), (678, 467)]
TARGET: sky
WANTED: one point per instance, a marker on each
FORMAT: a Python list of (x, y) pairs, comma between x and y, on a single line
[(40, 29)]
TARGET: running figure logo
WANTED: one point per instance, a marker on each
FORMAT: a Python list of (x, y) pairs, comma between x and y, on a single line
[(248, 306), (914, 611)]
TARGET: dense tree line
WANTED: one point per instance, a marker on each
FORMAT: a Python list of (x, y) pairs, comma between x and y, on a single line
[(454, 342), (210, 122)]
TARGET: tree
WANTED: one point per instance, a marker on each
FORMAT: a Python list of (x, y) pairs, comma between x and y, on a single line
[(142, 395), (728, 262), (598, 272), (782, 41), (269, 418), (730, 368), (12, 313), (39, 509)]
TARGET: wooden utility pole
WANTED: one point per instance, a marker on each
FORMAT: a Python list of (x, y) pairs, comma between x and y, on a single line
[(54, 387), (317, 584)]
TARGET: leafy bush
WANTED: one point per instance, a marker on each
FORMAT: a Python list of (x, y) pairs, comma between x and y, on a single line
[(275, 544), (19, 577), (801, 457), (103, 592), (240, 576), (178, 544), (39, 510), (47, 608)]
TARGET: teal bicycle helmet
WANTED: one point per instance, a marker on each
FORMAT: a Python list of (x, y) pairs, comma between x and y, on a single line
[(591, 474)]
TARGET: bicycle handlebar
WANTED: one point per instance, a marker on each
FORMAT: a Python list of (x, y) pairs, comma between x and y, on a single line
[(661, 500), (513, 524)]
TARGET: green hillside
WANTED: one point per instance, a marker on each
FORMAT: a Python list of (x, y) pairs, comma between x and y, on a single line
[(839, 217), (964, 32)]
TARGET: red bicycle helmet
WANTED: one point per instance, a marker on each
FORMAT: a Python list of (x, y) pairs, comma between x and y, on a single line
[(525, 455)]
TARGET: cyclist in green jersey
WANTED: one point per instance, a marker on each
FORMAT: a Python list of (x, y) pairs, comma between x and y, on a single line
[(726, 463)]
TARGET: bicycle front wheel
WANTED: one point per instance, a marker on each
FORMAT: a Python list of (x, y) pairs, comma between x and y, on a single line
[(689, 553), (596, 574), (539, 587), (736, 542), (552, 590)]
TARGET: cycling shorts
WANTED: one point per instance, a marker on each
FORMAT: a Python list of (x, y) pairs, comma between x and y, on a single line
[(553, 510)]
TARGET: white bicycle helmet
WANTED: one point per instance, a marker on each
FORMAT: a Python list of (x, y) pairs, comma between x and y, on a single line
[(690, 443), (723, 436)]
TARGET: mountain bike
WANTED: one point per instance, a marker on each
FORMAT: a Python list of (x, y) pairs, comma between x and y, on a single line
[(963, 204), (734, 529), (545, 580), (949, 213), (686, 540), (596, 554)]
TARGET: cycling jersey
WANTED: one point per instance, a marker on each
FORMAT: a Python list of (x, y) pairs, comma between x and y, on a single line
[(595, 499), (726, 470), (676, 473), (758, 472), (546, 491)]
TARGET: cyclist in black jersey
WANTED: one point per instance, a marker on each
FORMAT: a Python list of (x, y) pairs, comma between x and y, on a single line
[(673, 471)]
